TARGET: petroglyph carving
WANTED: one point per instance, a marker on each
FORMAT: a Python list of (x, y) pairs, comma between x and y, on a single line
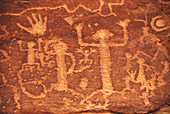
[(31, 66), (98, 10), (83, 84), (69, 20), (31, 51), (146, 35), (103, 35), (3, 27), (160, 48), (147, 84), (55, 48), (59, 50), (158, 23), (151, 37), (160, 79), (38, 28), (4, 57), (86, 62), (22, 84), (110, 4), (4, 79)]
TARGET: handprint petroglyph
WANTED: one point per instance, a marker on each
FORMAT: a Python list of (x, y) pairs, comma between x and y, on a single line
[(38, 28)]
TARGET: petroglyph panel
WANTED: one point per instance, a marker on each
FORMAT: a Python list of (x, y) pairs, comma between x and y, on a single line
[(63, 56)]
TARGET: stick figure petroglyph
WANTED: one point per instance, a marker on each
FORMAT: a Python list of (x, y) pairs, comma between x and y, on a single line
[(86, 62), (38, 28), (86, 54)]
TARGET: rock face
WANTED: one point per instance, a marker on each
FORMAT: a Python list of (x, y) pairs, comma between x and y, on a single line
[(72, 56)]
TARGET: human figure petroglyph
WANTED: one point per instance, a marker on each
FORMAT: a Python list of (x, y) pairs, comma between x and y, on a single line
[(60, 51), (38, 28), (30, 65), (4, 57), (104, 46), (31, 51), (86, 62), (146, 84), (158, 23)]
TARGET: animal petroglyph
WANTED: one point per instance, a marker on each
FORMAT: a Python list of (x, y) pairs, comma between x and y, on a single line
[(103, 35), (158, 23), (38, 28)]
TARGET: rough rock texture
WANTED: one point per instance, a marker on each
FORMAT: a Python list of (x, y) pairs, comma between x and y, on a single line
[(81, 55)]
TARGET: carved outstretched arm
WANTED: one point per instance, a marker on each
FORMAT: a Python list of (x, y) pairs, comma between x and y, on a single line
[(124, 25), (79, 28)]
